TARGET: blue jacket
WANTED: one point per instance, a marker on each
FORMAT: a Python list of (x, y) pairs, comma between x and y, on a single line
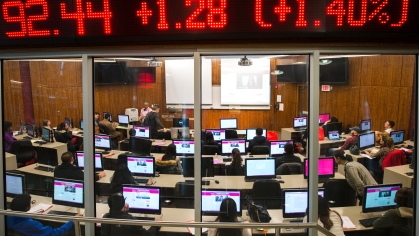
[(31, 227)]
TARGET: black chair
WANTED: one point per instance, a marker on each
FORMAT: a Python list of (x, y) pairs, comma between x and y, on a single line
[(234, 170), (140, 146), (210, 150), (164, 135), (184, 195), (23, 150), (103, 129), (267, 192), (231, 133), (260, 150), (60, 138), (290, 169), (339, 193)]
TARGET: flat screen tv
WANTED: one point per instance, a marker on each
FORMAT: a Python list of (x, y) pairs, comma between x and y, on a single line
[(297, 73), (336, 72)]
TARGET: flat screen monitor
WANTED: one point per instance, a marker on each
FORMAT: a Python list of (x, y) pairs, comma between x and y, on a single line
[(68, 192), (46, 134), (68, 121), (277, 147), (179, 133), (397, 136), (219, 134), (142, 199), (323, 118), (141, 166), (366, 140), (110, 115), (251, 133), (184, 147), (326, 167), (365, 125), (103, 142), (259, 168), (227, 145), (47, 156), (180, 122), (207, 166), (15, 184), (98, 161), (123, 120), (295, 202), (379, 197), (332, 126), (333, 135), (31, 130), (140, 146), (81, 124), (142, 131), (211, 200), (300, 122), (228, 123)]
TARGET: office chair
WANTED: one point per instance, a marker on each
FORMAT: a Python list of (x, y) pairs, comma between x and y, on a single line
[(231, 133), (234, 170), (260, 150), (23, 150), (267, 192), (184, 195), (339, 193), (140, 146), (394, 158), (290, 169), (210, 150), (103, 129)]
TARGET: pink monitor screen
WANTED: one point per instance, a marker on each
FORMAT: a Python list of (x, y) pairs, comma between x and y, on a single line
[(324, 117), (326, 166)]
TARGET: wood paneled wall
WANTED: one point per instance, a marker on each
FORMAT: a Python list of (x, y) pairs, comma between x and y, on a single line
[(379, 87)]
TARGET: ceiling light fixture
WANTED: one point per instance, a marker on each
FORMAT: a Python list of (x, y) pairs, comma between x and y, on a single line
[(245, 61), (325, 62), (277, 72)]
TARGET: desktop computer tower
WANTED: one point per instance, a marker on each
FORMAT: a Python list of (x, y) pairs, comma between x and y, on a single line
[(132, 113)]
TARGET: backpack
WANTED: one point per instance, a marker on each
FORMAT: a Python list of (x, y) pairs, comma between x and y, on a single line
[(354, 149)]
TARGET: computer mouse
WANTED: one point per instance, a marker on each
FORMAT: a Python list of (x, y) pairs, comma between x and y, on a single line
[(217, 182)]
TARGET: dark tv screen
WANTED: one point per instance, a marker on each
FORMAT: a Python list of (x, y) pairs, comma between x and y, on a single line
[(335, 72), (296, 73), (109, 72)]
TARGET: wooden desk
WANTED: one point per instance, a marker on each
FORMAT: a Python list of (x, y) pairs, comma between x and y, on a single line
[(396, 174), (290, 133)]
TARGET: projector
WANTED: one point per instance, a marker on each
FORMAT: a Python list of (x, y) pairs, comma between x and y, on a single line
[(154, 63), (245, 62)]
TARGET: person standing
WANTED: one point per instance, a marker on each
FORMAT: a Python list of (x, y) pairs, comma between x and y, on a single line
[(153, 121), (144, 111)]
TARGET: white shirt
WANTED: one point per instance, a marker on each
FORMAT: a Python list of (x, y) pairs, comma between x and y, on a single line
[(337, 225), (388, 130)]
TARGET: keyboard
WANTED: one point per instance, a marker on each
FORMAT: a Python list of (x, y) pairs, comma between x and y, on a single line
[(145, 218), (141, 180), (44, 168), (227, 159), (296, 221), (27, 137), (80, 132), (40, 142), (66, 213), (323, 180), (368, 222)]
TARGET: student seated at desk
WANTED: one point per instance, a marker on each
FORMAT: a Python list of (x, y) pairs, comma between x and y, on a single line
[(47, 124), (258, 140), (236, 166), (169, 163), (399, 220), (27, 226), (288, 157), (327, 218), (64, 130), (209, 140), (374, 165), (112, 127), (388, 127), (118, 209), (69, 171), (8, 135), (355, 131), (228, 213), (122, 175)]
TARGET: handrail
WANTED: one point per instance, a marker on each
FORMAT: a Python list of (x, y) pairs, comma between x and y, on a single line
[(166, 223)]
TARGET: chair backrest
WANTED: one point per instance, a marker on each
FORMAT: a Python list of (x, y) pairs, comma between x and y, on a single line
[(103, 129), (290, 169), (231, 133), (339, 193), (394, 158), (234, 170), (23, 149), (260, 150), (267, 192), (210, 150), (140, 145), (59, 137), (184, 195)]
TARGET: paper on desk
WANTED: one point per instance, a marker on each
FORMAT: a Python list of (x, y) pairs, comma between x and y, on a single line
[(347, 223), (365, 155), (40, 208), (217, 161), (192, 230), (159, 143)]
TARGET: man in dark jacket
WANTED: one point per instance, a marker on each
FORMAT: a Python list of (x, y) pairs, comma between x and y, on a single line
[(118, 209), (69, 171), (152, 119), (258, 140), (288, 157)]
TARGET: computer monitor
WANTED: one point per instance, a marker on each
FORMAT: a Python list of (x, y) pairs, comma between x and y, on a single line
[(379, 197), (295, 202), (397, 136), (142, 199), (68, 192), (365, 125), (180, 122), (228, 123), (142, 131), (277, 147), (332, 126), (98, 161), (48, 156), (259, 168), (15, 184), (81, 124), (227, 145), (300, 122), (326, 167), (31, 129), (323, 118), (141, 166), (219, 134), (211, 200), (123, 120), (68, 121), (207, 166), (333, 135), (140, 146), (251, 133), (184, 147), (179, 133), (46, 134), (366, 140), (103, 142), (110, 115)]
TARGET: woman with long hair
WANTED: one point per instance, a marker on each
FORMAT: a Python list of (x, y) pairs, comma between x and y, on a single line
[(169, 163), (236, 166)]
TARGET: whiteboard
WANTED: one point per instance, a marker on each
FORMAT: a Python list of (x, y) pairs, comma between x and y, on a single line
[(180, 81)]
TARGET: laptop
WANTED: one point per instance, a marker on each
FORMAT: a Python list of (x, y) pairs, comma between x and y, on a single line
[(334, 135)]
